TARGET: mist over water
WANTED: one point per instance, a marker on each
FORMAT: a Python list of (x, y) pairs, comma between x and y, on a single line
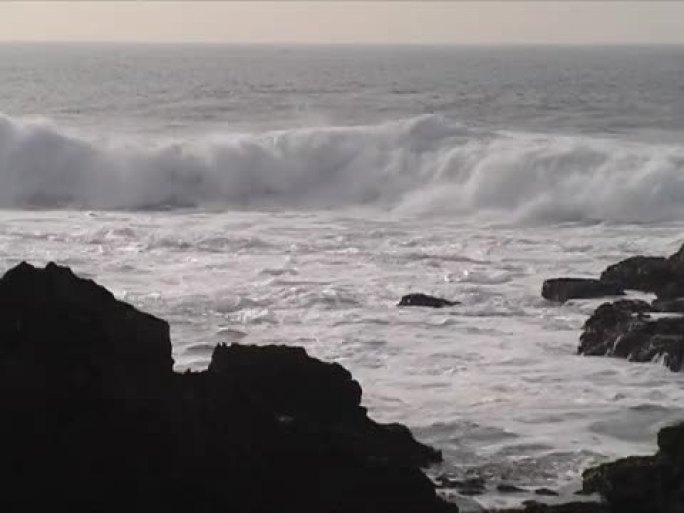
[(292, 195)]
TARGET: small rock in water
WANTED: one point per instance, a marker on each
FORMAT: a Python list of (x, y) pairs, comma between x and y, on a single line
[(419, 299)]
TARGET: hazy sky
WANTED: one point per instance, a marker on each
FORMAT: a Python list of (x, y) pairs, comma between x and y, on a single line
[(493, 22)]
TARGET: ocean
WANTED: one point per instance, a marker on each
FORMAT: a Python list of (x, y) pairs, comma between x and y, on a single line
[(292, 195)]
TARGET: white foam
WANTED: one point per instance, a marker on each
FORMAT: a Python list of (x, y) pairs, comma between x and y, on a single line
[(426, 165)]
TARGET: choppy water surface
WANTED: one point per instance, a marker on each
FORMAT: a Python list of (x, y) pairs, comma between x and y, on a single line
[(494, 382)]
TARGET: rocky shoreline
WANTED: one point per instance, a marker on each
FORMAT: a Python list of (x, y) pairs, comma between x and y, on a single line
[(634, 329), (639, 331), (95, 418)]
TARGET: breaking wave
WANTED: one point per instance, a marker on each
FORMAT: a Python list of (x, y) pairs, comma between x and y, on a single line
[(427, 164)]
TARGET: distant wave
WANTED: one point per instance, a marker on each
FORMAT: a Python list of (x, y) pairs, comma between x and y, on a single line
[(426, 164)]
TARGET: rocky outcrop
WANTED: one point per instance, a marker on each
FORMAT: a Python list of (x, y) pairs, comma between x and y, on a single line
[(639, 331), (632, 329), (625, 329), (95, 419), (663, 276), (562, 289), (644, 273), (419, 299), (608, 323)]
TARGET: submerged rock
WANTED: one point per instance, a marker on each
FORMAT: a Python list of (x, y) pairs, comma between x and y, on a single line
[(419, 299), (562, 289), (95, 419)]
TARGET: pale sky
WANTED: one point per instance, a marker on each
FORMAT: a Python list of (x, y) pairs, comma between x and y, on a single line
[(457, 22)]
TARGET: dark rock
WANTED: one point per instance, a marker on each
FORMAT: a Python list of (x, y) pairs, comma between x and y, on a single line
[(645, 273), (671, 444), (547, 492), (95, 419), (291, 384), (676, 260), (672, 290), (631, 484), (287, 381), (425, 300), (97, 334), (509, 488), (624, 329), (668, 305), (562, 289), (608, 322), (659, 275)]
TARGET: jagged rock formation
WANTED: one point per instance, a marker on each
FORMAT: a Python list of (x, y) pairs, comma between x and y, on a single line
[(664, 276), (625, 329), (95, 419), (633, 329)]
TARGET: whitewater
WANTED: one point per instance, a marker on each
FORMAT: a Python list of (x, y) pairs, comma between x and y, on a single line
[(293, 195)]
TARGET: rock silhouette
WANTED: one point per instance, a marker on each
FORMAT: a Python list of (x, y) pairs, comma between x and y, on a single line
[(95, 419)]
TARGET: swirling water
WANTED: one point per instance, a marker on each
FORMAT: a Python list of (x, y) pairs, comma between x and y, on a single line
[(292, 195)]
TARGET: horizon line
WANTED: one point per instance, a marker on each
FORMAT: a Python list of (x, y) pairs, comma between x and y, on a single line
[(338, 43)]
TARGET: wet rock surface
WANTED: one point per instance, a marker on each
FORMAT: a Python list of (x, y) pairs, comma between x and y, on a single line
[(95, 418), (628, 329)]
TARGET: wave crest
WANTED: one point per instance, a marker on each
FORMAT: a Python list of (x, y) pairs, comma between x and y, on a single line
[(426, 164)]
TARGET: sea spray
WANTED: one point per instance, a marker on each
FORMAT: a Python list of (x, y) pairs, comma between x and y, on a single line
[(428, 165)]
